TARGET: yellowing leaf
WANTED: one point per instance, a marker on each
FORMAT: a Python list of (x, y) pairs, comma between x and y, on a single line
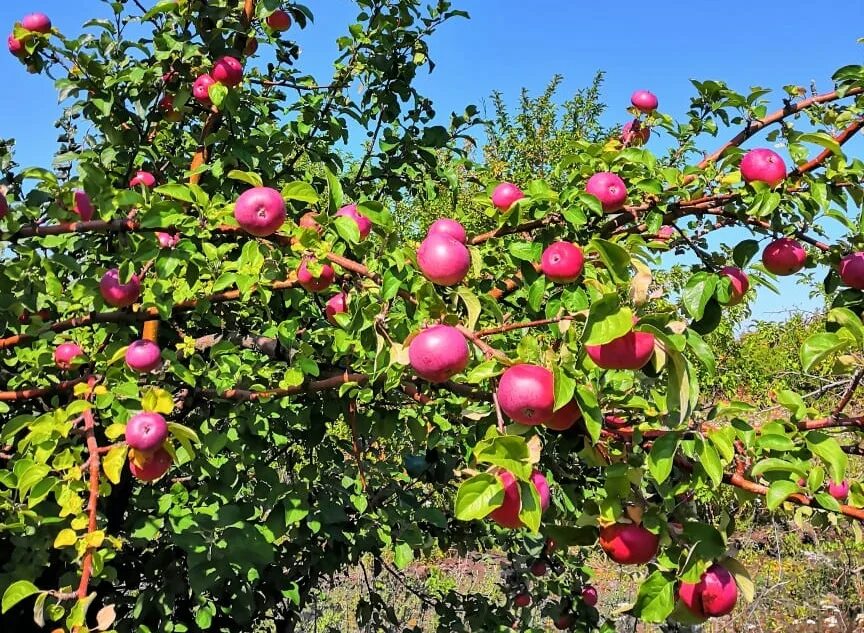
[(113, 462), (100, 390), (182, 432), (157, 400), (119, 355), (115, 430), (94, 539), (65, 538)]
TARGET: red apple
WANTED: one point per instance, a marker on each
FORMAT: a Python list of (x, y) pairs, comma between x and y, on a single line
[(228, 71), (146, 431), (443, 260), (644, 101), (852, 270), (36, 22), (143, 356), (538, 568), (363, 223), (634, 133), (119, 294), (507, 514), (82, 205), (149, 467), (784, 256), (260, 211), (167, 240), (446, 226), (65, 353), (522, 600), (4, 206), (713, 596), (251, 46), (526, 393), (337, 304), (143, 178), (564, 621), (609, 189), (307, 221), (763, 165), (665, 232), (16, 46), (505, 195), (562, 262), (615, 422), (279, 20), (201, 89), (589, 595), (438, 353), (628, 544), (565, 417), (631, 351), (315, 284), (740, 284), (839, 491)]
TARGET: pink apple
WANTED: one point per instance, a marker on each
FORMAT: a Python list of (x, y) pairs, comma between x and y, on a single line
[(364, 224), (443, 260), (628, 544), (446, 226), (36, 22), (228, 71), (201, 89), (438, 353), (562, 262), (665, 232), (713, 596), (609, 189), (143, 356), (279, 20), (644, 101), (852, 270), (763, 165), (784, 256), (839, 491), (119, 294), (631, 351), (589, 596), (152, 467), (307, 221), (740, 284), (251, 46), (260, 211), (526, 393), (505, 196), (315, 284), (65, 353), (167, 240), (507, 514), (82, 206), (16, 46), (337, 304), (146, 431), (142, 178), (634, 133), (565, 417)]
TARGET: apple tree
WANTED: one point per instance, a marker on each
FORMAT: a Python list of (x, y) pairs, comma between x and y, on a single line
[(229, 379)]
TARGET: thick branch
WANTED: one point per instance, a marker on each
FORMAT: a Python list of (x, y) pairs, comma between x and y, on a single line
[(39, 392), (93, 500)]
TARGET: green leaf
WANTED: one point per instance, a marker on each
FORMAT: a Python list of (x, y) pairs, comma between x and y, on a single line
[(827, 501), (181, 431), (301, 191), (821, 138), (829, 451), (744, 252), (592, 415), (175, 191), (483, 371), (217, 93), (698, 291), (607, 320), (472, 305), (564, 385), (334, 191), (249, 177), (662, 455), (113, 463), (702, 351), (778, 492), (615, 257), (681, 391), (774, 464), (509, 452), (478, 496), (656, 598), (820, 345), (347, 229), (16, 592), (849, 321), (526, 251), (793, 402), (403, 555), (775, 442), (530, 511), (710, 461)]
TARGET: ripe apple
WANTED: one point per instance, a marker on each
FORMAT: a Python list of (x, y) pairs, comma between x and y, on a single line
[(363, 223), (166, 104), (628, 543), (609, 189), (634, 133), (522, 600), (713, 596), (526, 393), (36, 22), (167, 240), (143, 356), (307, 221), (145, 431), (839, 491), (149, 467), (507, 514), (644, 101), (564, 621), (315, 284), (260, 211), (65, 353), (201, 89), (438, 353), (16, 46), (443, 260), (562, 262), (337, 304), (446, 226), (784, 256), (505, 195), (143, 178), (740, 284), (665, 232), (852, 270), (763, 165), (589, 595), (565, 417), (82, 205), (119, 294), (615, 421), (228, 71), (538, 568), (251, 46), (631, 351), (279, 20)]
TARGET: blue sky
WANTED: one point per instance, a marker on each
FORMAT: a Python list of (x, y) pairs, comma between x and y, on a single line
[(508, 45)]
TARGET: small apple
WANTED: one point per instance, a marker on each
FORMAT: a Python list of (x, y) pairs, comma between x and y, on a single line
[(166, 104), (279, 20), (65, 353), (149, 467), (251, 46), (143, 356), (628, 544), (307, 221), (315, 284), (526, 393), (634, 133), (364, 224), (36, 22), (119, 294), (665, 232), (763, 165), (631, 351), (16, 46), (564, 621), (522, 600), (446, 226), (167, 240), (609, 189), (260, 211), (839, 491), (146, 431), (228, 71), (538, 568), (852, 270), (550, 545), (142, 178), (443, 260), (589, 595), (337, 304), (82, 205), (713, 596), (562, 262), (644, 101), (740, 284), (615, 422), (505, 195), (201, 89), (784, 256), (438, 353), (565, 417), (507, 514)]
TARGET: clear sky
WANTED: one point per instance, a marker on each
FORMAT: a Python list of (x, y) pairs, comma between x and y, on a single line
[(508, 45)]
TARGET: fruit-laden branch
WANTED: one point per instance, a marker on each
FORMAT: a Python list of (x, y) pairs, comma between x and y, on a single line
[(509, 327), (841, 138), (93, 500), (488, 350), (39, 392)]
